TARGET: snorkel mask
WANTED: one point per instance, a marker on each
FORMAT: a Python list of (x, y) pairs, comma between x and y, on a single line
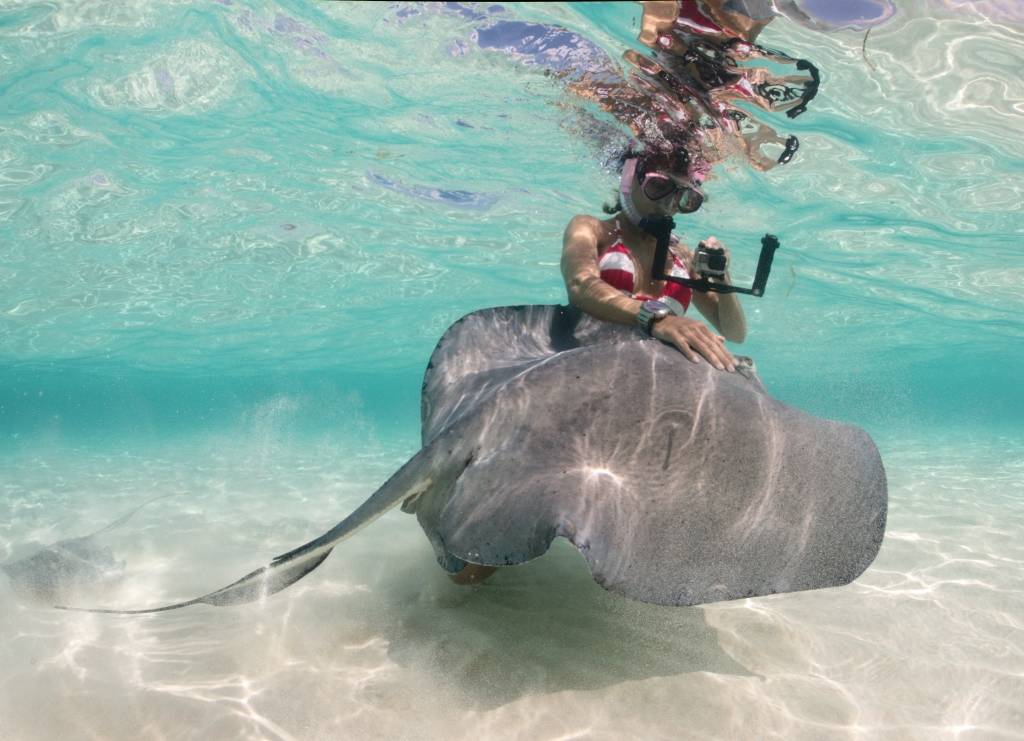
[(655, 187)]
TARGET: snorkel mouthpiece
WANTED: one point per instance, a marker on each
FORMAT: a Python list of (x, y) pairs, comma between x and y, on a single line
[(659, 227)]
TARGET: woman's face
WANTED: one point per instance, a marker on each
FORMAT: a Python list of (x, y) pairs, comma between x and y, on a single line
[(659, 193)]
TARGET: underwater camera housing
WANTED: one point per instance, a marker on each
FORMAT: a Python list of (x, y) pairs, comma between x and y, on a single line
[(710, 261), (661, 228)]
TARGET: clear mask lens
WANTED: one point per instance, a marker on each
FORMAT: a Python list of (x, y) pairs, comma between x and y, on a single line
[(690, 200), (657, 186)]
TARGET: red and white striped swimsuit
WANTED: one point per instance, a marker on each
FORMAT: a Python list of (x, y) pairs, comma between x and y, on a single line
[(618, 270)]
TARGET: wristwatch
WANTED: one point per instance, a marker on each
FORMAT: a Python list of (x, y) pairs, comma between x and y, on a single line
[(650, 312)]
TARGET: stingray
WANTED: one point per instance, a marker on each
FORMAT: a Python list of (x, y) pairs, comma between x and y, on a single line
[(70, 567), (679, 484), (824, 15), (464, 198)]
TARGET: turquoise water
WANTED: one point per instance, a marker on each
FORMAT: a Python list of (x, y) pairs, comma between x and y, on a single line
[(230, 235)]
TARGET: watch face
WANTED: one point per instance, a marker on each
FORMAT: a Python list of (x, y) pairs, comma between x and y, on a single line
[(656, 308)]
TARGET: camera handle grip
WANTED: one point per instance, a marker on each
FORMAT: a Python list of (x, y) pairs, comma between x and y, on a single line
[(769, 243)]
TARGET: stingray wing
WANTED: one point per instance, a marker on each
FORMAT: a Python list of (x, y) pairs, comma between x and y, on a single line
[(679, 484)]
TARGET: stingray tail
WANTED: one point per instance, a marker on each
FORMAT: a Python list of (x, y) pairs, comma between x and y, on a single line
[(128, 515), (441, 461)]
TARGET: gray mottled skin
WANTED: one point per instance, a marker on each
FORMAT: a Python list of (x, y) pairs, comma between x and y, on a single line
[(68, 568), (678, 483), (63, 569)]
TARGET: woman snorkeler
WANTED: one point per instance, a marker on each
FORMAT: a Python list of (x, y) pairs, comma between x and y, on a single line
[(607, 264), (607, 270)]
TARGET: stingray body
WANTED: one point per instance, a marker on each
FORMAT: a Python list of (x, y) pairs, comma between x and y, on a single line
[(64, 569), (679, 484), (821, 15), (68, 568)]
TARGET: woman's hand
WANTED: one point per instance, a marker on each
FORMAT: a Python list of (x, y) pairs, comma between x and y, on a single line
[(694, 339), (714, 244), (723, 310)]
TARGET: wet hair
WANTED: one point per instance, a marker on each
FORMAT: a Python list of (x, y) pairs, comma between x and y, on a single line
[(613, 208)]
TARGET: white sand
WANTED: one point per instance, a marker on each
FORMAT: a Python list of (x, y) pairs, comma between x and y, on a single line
[(929, 643)]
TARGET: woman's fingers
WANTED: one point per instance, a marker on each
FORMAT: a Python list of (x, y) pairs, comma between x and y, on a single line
[(714, 351), (686, 350), (691, 346), (724, 356), (695, 340), (709, 350)]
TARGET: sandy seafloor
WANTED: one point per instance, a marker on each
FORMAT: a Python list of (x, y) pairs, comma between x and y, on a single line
[(928, 643), (230, 235)]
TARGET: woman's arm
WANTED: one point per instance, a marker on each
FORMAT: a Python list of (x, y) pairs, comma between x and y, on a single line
[(582, 276), (723, 310), (589, 293)]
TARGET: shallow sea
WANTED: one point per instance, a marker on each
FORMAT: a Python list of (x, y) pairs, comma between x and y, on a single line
[(230, 235)]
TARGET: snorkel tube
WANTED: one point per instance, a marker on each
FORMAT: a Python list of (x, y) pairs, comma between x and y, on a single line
[(626, 192), (660, 227)]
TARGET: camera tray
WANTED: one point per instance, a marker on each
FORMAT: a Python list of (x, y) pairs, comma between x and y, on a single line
[(661, 229)]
